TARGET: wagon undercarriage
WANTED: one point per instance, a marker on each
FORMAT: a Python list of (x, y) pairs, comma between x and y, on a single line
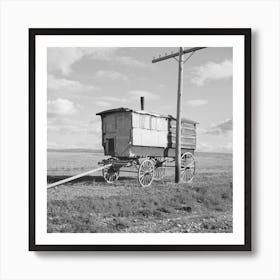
[(147, 169)]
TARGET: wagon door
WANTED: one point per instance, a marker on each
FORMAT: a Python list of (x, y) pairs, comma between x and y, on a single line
[(111, 146), (109, 134)]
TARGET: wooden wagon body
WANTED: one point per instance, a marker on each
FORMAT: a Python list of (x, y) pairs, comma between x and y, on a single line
[(128, 133), (145, 142)]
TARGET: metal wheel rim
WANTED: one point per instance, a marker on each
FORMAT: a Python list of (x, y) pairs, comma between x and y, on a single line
[(187, 167), (146, 173), (110, 177)]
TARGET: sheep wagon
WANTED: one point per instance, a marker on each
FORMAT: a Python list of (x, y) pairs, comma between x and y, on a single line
[(145, 141)]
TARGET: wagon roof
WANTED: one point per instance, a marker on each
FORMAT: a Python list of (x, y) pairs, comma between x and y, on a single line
[(122, 109)]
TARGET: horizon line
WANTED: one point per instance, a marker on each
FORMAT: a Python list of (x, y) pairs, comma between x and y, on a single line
[(101, 149)]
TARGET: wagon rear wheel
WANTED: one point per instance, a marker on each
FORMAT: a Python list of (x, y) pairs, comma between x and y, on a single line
[(110, 174), (146, 173), (160, 167), (187, 167)]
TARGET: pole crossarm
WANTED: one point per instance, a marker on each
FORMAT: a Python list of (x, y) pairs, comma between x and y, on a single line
[(173, 55)]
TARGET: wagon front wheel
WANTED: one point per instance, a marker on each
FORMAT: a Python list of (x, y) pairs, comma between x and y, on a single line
[(110, 174), (146, 173), (187, 167)]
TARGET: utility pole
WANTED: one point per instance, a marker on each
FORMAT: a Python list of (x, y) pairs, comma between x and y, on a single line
[(181, 62), (178, 118)]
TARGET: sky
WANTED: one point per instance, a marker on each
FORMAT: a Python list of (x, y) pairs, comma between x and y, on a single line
[(84, 81)]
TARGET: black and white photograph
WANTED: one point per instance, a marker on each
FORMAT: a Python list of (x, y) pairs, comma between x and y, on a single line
[(139, 140), (113, 107), (141, 144)]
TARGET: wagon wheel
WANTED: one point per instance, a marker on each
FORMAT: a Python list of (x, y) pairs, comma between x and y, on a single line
[(146, 173), (187, 167), (159, 170), (110, 174)]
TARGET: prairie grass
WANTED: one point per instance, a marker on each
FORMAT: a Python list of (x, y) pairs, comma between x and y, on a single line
[(91, 205), (124, 207)]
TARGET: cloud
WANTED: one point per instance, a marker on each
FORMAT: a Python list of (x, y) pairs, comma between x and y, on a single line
[(61, 59), (113, 99), (111, 75), (72, 127), (95, 126), (227, 148), (103, 103), (66, 85), (136, 94), (200, 130), (107, 101), (211, 71), (61, 107), (99, 53), (197, 102), (222, 128), (129, 61), (112, 55)]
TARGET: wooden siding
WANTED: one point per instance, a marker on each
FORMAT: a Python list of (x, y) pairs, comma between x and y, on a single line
[(141, 134), (184, 131), (188, 135), (149, 130)]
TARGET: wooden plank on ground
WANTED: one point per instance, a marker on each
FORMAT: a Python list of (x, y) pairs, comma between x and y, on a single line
[(77, 176)]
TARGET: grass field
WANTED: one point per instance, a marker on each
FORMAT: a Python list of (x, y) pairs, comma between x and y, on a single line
[(89, 204)]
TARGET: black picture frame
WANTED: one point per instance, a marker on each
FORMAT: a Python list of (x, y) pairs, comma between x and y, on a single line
[(246, 32)]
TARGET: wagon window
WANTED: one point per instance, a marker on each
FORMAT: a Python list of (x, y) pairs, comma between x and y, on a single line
[(145, 121), (142, 121), (153, 123)]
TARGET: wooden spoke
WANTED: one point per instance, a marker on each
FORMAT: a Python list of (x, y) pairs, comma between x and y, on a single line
[(160, 167), (110, 174), (187, 167), (146, 173)]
